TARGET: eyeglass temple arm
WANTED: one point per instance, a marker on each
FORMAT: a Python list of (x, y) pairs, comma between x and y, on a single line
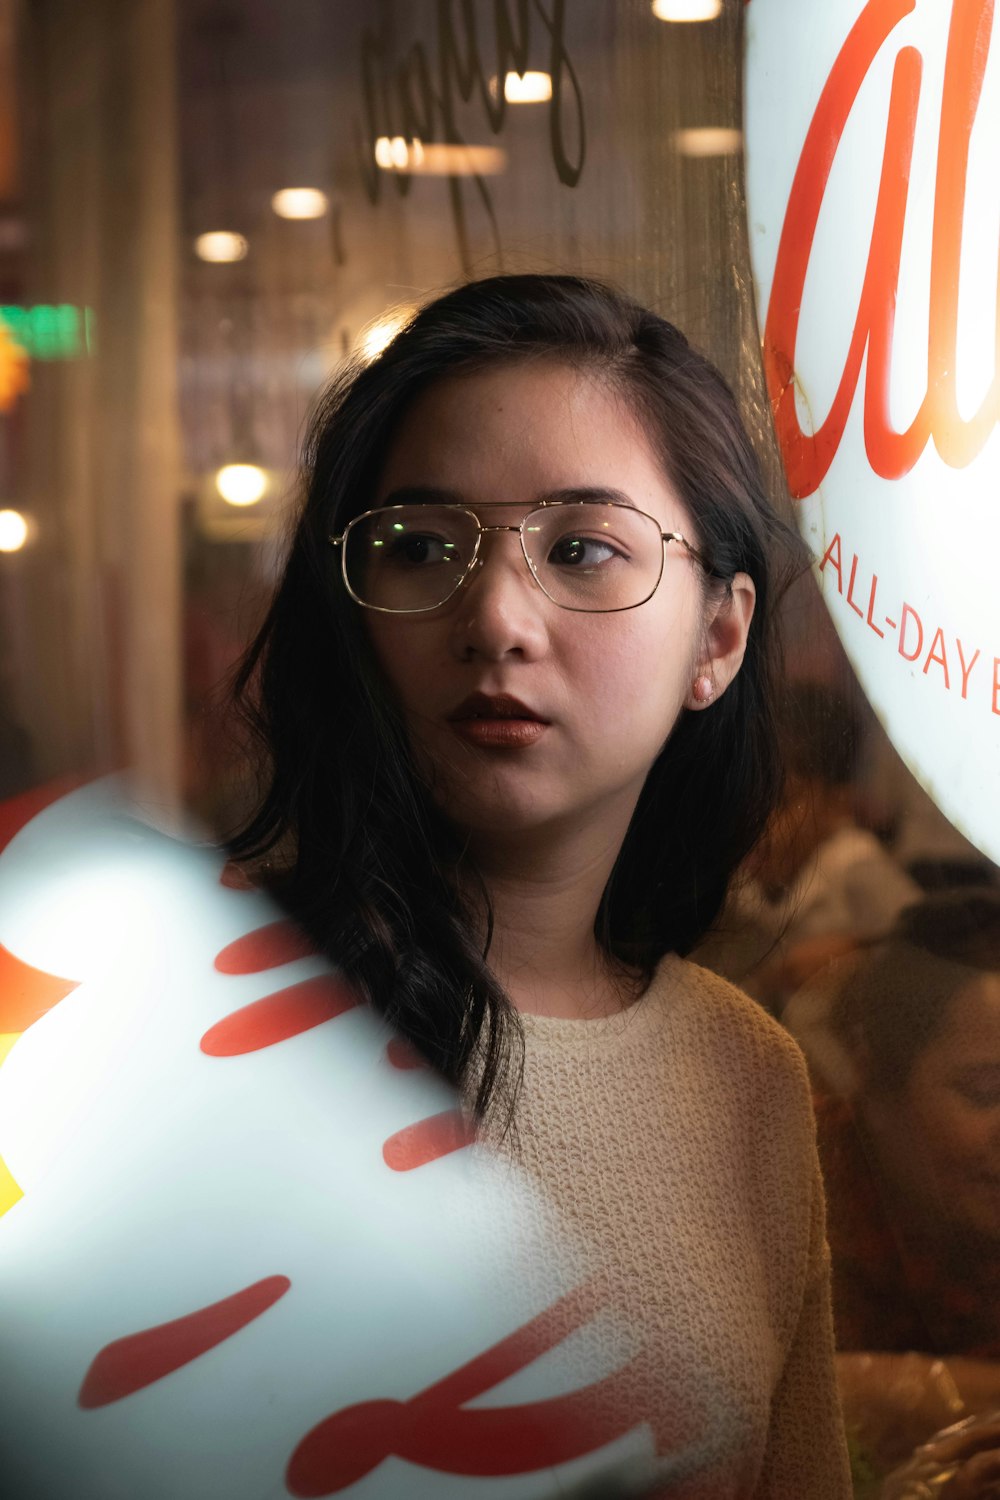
[(699, 557)]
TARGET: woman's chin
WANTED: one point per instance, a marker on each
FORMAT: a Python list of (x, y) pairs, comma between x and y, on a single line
[(503, 811), (494, 799), (500, 820)]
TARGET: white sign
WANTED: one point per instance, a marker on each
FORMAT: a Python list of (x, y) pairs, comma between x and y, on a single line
[(873, 185), (248, 1248)]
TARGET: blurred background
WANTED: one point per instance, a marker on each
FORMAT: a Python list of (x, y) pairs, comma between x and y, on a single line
[(205, 207)]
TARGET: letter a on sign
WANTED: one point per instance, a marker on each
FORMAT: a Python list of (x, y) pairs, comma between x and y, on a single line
[(873, 194)]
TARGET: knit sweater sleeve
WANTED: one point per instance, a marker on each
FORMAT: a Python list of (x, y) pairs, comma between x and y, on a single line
[(806, 1453)]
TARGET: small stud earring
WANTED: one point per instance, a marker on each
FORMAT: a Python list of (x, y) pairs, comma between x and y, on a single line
[(703, 690)]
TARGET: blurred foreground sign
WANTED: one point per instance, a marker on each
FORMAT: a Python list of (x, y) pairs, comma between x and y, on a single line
[(249, 1248), (873, 182)]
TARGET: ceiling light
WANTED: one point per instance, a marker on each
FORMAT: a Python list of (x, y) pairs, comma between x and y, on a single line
[(709, 140), (220, 246), (438, 159), (527, 88), (241, 484), (393, 152), (300, 203), (441, 160), (13, 531), (687, 10)]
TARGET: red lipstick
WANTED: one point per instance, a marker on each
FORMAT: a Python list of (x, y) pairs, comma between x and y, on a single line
[(497, 721)]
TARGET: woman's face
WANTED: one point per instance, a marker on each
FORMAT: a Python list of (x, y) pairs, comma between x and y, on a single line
[(938, 1139), (608, 687)]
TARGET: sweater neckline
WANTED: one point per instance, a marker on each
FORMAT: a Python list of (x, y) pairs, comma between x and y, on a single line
[(560, 1030)]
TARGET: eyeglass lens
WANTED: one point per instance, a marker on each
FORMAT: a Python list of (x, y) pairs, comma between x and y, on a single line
[(587, 555)]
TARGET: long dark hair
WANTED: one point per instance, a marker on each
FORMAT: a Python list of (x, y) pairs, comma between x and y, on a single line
[(362, 856)]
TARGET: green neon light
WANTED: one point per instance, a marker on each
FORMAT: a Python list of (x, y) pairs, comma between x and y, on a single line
[(51, 331)]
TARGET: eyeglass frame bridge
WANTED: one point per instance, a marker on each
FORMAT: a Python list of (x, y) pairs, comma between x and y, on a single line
[(665, 537)]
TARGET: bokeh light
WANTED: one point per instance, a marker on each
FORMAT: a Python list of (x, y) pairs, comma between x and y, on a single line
[(221, 246), (300, 203), (241, 484), (395, 154), (531, 88), (13, 531), (709, 140), (687, 10)]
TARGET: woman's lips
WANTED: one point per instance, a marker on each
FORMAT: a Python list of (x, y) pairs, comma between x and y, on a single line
[(496, 721), (499, 734)]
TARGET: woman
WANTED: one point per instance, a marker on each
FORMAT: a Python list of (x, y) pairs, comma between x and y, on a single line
[(514, 692)]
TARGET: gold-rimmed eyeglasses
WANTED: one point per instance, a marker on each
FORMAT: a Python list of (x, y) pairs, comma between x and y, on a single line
[(593, 556)]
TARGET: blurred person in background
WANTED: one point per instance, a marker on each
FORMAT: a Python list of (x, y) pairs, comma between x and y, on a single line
[(514, 702), (904, 1043)]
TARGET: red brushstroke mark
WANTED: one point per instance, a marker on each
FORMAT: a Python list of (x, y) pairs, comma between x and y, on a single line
[(401, 1055), (265, 948), (17, 812), (129, 1364), (27, 993), (426, 1141), (284, 1014), (431, 1428)]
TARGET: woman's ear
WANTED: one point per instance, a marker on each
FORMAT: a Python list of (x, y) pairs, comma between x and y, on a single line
[(724, 642)]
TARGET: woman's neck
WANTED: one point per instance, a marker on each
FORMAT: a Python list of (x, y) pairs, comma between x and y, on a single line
[(545, 895)]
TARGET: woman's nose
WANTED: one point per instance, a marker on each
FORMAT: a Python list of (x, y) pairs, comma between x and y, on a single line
[(500, 609)]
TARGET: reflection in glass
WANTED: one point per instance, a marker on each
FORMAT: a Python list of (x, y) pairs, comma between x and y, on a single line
[(300, 203), (221, 246), (903, 1040)]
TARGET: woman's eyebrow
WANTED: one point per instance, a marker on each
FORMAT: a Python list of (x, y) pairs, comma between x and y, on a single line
[(420, 494), (589, 492), (423, 494)]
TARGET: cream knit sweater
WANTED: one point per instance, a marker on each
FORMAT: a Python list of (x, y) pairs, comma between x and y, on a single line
[(679, 1136)]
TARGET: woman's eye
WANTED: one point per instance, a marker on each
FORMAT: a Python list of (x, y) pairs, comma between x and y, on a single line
[(980, 1088), (981, 1098), (419, 549), (579, 551)]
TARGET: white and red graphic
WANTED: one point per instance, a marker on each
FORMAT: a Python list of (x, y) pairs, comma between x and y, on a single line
[(248, 1244), (873, 197)]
